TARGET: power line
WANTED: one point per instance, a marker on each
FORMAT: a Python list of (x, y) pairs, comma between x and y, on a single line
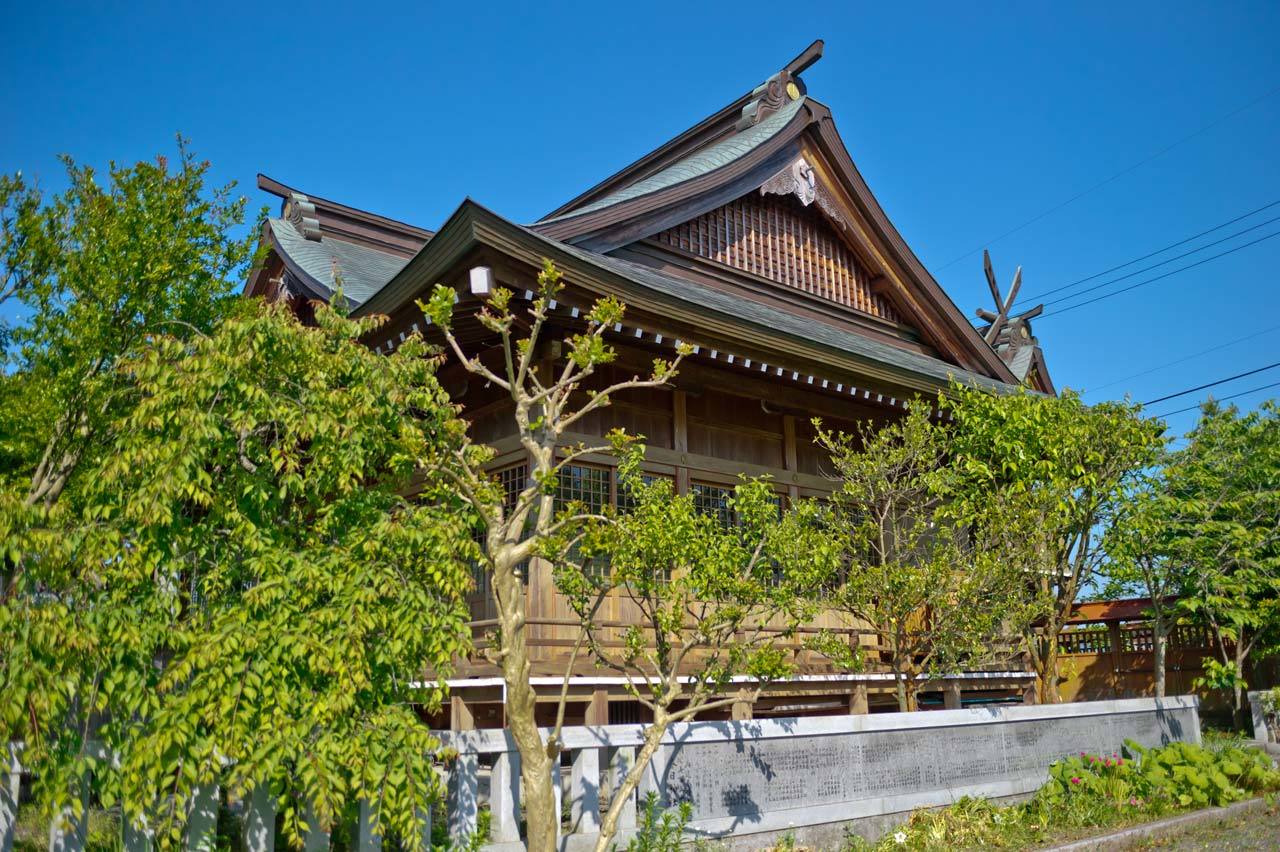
[(1162, 251), (1212, 384), (1186, 358), (1115, 176), (1129, 275), (1159, 277), (1219, 399)]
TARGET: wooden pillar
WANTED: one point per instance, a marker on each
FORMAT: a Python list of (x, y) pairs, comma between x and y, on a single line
[(460, 716), (741, 707), (789, 451), (951, 695), (680, 438), (858, 705), (598, 708)]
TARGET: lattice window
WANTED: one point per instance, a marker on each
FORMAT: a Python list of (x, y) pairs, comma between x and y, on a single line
[(627, 502), (512, 481), (1087, 639), (1192, 636), (777, 238), (582, 484), (713, 500), (1137, 639), (588, 486)]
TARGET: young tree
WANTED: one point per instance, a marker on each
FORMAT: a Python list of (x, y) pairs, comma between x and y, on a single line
[(97, 270), (1061, 467), (547, 400), (940, 589), (711, 601), (1141, 557), (1225, 486), (249, 597)]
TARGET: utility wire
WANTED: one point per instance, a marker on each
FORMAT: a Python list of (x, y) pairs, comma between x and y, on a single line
[(1152, 280), (1158, 251), (1185, 358), (1212, 384), (1161, 263), (1219, 399), (1115, 176)]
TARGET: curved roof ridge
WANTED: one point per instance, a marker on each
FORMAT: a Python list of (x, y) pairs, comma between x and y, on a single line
[(696, 164)]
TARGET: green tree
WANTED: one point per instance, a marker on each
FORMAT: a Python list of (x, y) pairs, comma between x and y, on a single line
[(1225, 486), (97, 270), (545, 383), (1061, 468), (249, 595), (1142, 558), (708, 602), (941, 589)]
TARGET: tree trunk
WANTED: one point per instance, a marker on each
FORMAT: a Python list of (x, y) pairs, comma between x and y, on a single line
[(1159, 646), (1047, 651), (541, 818), (619, 797)]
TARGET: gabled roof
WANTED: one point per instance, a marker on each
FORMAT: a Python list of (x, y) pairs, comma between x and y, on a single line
[(321, 241), (723, 317), (319, 263), (741, 149), (703, 161)]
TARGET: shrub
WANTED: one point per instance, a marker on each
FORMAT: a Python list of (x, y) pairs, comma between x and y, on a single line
[(1090, 791), (660, 830)]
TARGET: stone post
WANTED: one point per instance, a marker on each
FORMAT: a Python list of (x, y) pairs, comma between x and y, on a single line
[(317, 838), (504, 797), (463, 808), (368, 839), (260, 820), (202, 819), (584, 791), (618, 762), (10, 791)]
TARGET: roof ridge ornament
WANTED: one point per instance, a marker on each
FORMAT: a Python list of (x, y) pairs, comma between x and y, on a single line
[(301, 214), (780, 89)]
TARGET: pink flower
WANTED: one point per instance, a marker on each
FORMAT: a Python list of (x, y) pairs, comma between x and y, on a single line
[(1133, 800), (1120, 762), (1075, 780)]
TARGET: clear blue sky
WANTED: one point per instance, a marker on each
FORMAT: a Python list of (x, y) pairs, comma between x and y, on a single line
[(966, 119)]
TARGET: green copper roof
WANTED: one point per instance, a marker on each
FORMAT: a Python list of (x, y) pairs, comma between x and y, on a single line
[(700, 162), (363, 270)]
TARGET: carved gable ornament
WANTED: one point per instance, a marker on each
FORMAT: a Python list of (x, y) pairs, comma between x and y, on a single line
[(799, 179)]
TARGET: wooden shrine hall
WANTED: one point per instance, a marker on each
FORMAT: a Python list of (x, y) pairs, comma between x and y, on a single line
[(752, 236)]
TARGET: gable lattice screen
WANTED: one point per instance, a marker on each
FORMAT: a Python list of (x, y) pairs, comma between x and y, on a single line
[(777, 238)]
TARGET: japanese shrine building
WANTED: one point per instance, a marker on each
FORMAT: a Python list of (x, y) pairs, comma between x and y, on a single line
[(753, 237)]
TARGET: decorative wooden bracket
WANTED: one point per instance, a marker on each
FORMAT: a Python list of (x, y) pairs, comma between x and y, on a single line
[(799, 179)]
